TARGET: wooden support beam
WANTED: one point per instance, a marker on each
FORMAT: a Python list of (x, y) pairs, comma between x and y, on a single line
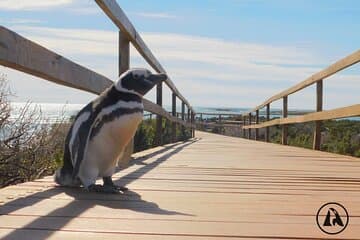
[(243, 126), (192, 123), (249, 130), (188, 115), (183, 117), (173, 125), (267, 130), (285, 127), (257, 122), (159, 119), (124, 65), (319, 108)]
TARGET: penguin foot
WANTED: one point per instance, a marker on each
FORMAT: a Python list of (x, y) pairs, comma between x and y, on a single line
[(109, 183)]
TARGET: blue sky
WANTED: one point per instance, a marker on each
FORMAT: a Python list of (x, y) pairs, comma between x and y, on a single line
[(232, 53)]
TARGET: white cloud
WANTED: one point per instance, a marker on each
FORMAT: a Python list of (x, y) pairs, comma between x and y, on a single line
[(160, 15), (20, 21), (31, 4), (207, 71)]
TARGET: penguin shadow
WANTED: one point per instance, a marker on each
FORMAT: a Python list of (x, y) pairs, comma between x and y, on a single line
[(169, 151), (44, 226), (130, 200)]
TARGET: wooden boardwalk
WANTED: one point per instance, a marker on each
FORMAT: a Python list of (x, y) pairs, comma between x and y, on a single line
[(214, 187)]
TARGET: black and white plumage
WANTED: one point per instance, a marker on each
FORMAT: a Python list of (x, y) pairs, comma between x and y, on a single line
[(102, 129)]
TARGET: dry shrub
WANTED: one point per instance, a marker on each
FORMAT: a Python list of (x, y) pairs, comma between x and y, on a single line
[(30, 146)]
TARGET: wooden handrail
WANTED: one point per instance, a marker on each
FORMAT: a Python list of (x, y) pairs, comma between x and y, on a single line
[(350, 111), (332, 69), (24, 55), (117, 15)]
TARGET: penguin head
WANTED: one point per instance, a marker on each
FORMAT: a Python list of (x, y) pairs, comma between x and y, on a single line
[(139, 81)]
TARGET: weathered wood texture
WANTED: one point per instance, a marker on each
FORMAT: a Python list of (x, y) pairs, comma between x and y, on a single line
[(319, 108), (119, 18), (124, 65), (24, 55), (159, 130), (215, 188), (350, 111), (173, 125), (284, 127)]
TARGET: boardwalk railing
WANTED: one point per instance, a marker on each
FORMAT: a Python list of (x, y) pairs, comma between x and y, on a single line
[(24, 55), (249, 121), (317, 117)]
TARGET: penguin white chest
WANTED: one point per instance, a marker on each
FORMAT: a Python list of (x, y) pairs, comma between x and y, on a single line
[(106, 147)]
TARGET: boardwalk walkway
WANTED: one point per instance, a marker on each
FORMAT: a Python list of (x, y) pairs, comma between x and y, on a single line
[(214, 187)]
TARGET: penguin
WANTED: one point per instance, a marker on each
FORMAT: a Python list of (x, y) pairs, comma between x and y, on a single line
[(100, 131)]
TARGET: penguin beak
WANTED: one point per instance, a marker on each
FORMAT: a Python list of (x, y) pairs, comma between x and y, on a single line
[(157, 78)]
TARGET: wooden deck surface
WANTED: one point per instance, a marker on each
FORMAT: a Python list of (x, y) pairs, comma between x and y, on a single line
[(214, 187)]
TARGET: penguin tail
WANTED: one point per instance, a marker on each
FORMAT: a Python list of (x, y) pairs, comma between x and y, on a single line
[(64, 175)]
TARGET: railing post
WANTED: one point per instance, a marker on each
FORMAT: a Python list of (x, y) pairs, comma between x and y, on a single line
[(249, 130), (183, 118), (257, 122), (319, 107), (244, 124), (192, 122), (159, 128), (267, 130), (285, 127), (220, 124), (124, 64), (173, 125)]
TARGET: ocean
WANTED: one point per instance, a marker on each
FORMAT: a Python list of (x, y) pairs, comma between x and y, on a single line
[(54, 111)]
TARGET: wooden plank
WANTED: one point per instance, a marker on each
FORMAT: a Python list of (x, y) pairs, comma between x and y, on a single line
[(322, 75), (254, 190), (319, 108), (350, 111), (285, 127), (119, 18), (24, 55)]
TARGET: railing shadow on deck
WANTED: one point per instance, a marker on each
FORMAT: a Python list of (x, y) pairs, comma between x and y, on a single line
[(83, 201)]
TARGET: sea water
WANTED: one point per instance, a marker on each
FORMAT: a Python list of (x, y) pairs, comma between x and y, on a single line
[(54, 112)]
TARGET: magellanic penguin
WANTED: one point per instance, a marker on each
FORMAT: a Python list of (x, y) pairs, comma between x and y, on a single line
[(102, 129)]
